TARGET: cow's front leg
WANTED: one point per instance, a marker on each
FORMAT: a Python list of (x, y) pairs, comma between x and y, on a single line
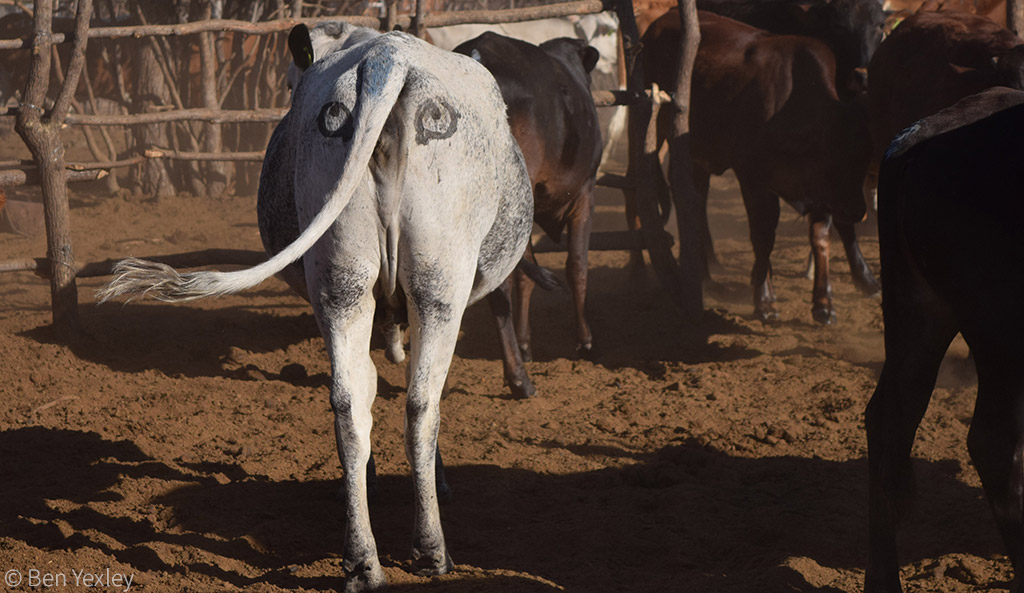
[(821, 296), (576, 268), (346, 324), (863, 279), (702, 183), (515, 372), (762, 218), (435, 329)]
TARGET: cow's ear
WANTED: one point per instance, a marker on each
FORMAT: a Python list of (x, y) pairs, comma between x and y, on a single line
[(301, 46), (590, 58)]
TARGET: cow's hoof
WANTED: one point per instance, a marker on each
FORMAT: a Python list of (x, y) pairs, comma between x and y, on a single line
[(522, 389), (868, 286), (367, 576), (823, 316), (431, 564), (891, 584), (586, 351), (525, 352), (767, 315), (395, 355)]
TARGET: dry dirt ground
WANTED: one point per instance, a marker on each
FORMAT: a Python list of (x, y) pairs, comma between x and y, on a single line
[(191, 446)]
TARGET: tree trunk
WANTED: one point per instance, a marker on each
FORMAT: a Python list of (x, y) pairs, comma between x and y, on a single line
[(644, 171), (152, 177), (42, 136), (216, 172), (691, 251)]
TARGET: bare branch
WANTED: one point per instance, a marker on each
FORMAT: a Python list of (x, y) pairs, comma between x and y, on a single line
[(210, 115), (77, 62)]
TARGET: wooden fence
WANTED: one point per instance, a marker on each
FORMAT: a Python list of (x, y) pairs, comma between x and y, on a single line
[(40, 130)]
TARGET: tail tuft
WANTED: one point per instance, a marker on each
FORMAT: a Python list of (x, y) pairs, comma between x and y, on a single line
[(544, 277), (137, 278)]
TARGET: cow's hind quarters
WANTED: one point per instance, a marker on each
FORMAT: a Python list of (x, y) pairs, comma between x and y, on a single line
[(823, 314), (364, 576), (431, 564)]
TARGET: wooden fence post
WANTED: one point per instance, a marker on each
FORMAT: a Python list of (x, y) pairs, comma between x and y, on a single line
[(216, 172), (41, 133)]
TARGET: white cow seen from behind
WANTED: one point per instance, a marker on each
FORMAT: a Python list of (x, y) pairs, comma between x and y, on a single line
[(410, 193)]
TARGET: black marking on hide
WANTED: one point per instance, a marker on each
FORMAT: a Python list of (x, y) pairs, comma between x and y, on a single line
[(343, 289), (425, 286), (435, 120), (335, 121)]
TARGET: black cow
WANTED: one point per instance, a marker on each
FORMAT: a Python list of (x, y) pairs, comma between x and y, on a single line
[(765, 106), (552, 116), (950, 205)]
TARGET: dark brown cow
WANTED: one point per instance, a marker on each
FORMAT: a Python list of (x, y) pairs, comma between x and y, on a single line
[(932, 60), (950, 205), (552, 116), (766, 106)]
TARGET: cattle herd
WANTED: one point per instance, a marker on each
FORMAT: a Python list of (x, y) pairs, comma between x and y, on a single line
[(402, 185)]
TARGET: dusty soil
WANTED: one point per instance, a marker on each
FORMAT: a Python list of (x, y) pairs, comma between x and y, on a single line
[(191, 446)]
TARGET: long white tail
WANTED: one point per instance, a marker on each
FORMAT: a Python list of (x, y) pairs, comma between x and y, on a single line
[(383, 77)]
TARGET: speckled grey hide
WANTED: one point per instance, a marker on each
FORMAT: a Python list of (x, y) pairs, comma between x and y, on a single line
[(439, 217), (338, 48)]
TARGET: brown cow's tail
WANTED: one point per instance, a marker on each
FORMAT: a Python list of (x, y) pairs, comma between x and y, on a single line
[(544, 277), (383, 75)]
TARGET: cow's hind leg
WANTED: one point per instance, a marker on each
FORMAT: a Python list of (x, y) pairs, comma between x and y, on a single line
[(500, 301), (576, 268), (435, 312), (996, 444), (821, 298), (863, 279), (762, 218), (345, 316), (917, 333)]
